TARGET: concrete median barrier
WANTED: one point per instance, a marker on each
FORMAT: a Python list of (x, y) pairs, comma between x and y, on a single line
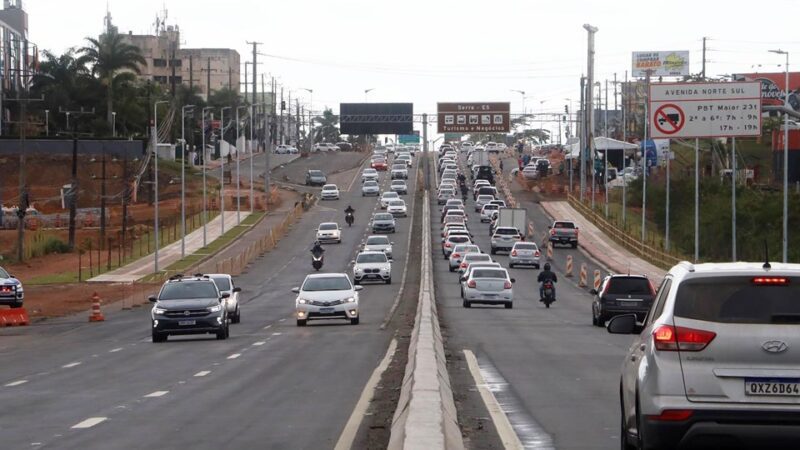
[(426, 417)]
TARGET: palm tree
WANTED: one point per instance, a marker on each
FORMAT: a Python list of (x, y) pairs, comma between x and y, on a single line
[(328, 129), (109, 57)]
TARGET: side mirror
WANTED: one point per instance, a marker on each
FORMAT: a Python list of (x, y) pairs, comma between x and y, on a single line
[(359, 288), (513, 280), (549, 227), (593, 291), (238, 289), (296, 290), (226, 295), (392, 243), (152, 298), (624, 324), (352, 261)]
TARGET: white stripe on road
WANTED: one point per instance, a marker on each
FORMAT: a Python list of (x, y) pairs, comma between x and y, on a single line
[(90, 422), (16, 383), (259, 343), (277, 334), (268, 327), (234, 356), (157, 394), (71, 365), (118, 349), (348, 435), (202, 373)]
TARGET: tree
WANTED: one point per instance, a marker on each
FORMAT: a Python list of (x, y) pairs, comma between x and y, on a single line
[(64, 82), (110, 57), (328, 129)]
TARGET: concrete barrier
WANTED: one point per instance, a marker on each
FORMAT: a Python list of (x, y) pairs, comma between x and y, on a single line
[(426, 417)]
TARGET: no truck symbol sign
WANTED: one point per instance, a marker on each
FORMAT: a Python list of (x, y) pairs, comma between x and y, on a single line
[(669, 119)]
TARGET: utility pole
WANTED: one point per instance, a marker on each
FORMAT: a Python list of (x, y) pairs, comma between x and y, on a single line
[(615, 92), (230, 78), (298, 117), (191, 74), (280, 124), (703, 72), (172, 63), (582, 136), (73, 190), (255, 71), (208, 71), (589, 87)]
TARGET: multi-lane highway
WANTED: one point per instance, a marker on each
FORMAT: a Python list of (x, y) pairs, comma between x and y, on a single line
[(74, 385)]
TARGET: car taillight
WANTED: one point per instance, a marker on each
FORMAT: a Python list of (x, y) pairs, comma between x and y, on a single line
[(536, 253), (652, 289), (463, 265), (471, 283), (771, 281), (513, 253), (447, 244), (552, 232), (507, 285), (456, 255), (672, 415), (670, 338)]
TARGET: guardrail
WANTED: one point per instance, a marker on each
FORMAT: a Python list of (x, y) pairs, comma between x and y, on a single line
[(647, 252)]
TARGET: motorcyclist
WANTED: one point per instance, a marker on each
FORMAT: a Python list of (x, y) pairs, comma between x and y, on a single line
[(349, 210), (317, 249), (546, 275), (464, 192)]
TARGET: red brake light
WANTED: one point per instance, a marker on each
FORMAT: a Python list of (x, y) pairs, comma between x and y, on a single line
[(771, 281), (456, 255), (463, 265), (507, 285), (513, 253), (672, 415), (471, 284), (536, 253), (552, 232), (652, 289), (669, 338), (447, 244)]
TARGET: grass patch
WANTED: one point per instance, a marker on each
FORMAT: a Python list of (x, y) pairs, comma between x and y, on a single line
[(56, 278)]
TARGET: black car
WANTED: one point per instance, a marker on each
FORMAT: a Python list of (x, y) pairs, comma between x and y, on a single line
[(189, 305), (622, 294), (316, 178)]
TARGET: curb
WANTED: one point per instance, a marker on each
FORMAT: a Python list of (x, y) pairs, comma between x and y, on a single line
[(426, 417)]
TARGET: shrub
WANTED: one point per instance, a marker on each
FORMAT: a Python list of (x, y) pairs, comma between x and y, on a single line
[(55, 245)]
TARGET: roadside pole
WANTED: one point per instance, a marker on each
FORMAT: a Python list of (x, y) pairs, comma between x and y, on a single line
[(644, 159), (733, 199), (696, 199), (666, 225), (252, 155), (625, 139)]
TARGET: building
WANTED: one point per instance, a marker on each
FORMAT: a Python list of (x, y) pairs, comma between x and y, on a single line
[(18, 56), (214, 68)]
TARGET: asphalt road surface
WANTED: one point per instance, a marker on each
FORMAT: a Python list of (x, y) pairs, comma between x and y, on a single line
[(68, 384), (554, 375)]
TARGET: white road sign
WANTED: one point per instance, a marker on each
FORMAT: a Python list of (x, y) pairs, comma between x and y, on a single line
[(705, 110)]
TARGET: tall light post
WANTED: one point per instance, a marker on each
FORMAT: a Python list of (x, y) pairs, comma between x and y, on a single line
[(203, 153), (155, 162), (222, 169), (238, 173), (522, 93), (114, 123), (183, 177), (47, 122), (310, 117), (252, 156), (367, 91), (785, 159)]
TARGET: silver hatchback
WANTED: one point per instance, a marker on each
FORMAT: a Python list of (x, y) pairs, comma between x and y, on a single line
[(715, 361), (524, 254)]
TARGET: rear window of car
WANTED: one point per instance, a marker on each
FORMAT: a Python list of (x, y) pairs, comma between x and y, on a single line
[(477, 257), (563, 225), (629, 285), (371, 184), (489, 273), (485, 198), (509, 231), (3, 273), (525, 247), (223, 283), (738, 300), (315, 173), (459, 239), (490, 206)]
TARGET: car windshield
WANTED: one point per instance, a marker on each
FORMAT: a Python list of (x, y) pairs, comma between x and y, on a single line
[(739, 299), (317, 284), (398, 183), (328, 226), (383, 216), (3, 273), (397, 203), (629, 285), (365, 258), (188, 290), (489, 273), (378, 240), (472, 257), (223, 283)]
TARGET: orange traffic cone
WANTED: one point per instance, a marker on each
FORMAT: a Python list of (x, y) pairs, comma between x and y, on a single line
[(96, 315)]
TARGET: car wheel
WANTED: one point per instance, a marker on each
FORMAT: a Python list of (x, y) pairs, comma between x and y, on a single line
[(574, 245), (301, 322), (389, 281), (595, 322), (536, 266), (511, 265), (159, 337), (467, 304), (237, 316), (356, 282), (494, 251), (354, 321), (222, 334), (452, 269), (509, 305)]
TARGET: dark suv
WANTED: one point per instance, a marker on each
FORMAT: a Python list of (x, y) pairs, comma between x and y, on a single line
[(316, 178), (622, 294), (189, 305)]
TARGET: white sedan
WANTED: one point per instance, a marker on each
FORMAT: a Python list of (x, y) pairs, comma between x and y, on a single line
[(329, 232), (388, 196), (329, 192), (370, 188), (326, 296), (397, 208)]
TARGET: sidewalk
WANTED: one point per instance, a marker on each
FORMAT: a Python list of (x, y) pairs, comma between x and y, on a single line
[(596, 243), (275, 160), (169, 254)]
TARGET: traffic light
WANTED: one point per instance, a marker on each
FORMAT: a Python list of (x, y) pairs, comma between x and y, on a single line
[(566, 109), (283, 105)]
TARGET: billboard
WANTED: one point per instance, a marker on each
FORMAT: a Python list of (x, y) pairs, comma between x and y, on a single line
[(490, 117), (376, 118), (661, 64), (408, 138), (773, 87), (705, 110)]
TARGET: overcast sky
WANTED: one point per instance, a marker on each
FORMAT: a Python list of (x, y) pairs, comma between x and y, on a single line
[(426, 51)]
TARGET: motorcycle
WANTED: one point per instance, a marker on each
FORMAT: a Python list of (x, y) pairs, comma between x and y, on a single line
[(349, 218), (316, 261), (549, 293)]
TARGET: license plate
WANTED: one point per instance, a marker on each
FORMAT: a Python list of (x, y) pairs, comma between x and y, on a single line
[(786, 387), (326, 310), (184, 323), (628, 303)]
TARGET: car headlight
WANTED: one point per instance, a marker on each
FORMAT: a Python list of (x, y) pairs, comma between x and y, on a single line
[(159, 311), (302, 301), (350, 300), (359, 269), (215, 308)]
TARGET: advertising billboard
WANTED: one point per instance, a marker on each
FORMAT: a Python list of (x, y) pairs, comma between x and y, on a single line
[(489, 117), (661, 64), (376, 118), (773, 87)]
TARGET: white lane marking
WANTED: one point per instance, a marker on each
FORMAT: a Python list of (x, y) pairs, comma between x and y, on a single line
[(268, 327), (202, 373), (354, 422), (234, 356), (282, 320), (71, 365), (156, 394), (89, 423), (259, 343), (277, 334), (16, 383), (115, 350)]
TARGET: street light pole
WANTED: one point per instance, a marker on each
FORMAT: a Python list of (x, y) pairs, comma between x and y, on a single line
[(367, 91), (203, 153), (114, 123), (238, 173), (785, 159), (522, 93), (47, 122), (155, 162), (252, 155), (310, 119), (183, 178), (222, 169)]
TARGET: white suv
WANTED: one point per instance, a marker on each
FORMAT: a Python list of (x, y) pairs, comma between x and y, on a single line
[(715, 360)]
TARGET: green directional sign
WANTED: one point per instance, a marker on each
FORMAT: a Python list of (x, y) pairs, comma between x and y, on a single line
[(409, 138)]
